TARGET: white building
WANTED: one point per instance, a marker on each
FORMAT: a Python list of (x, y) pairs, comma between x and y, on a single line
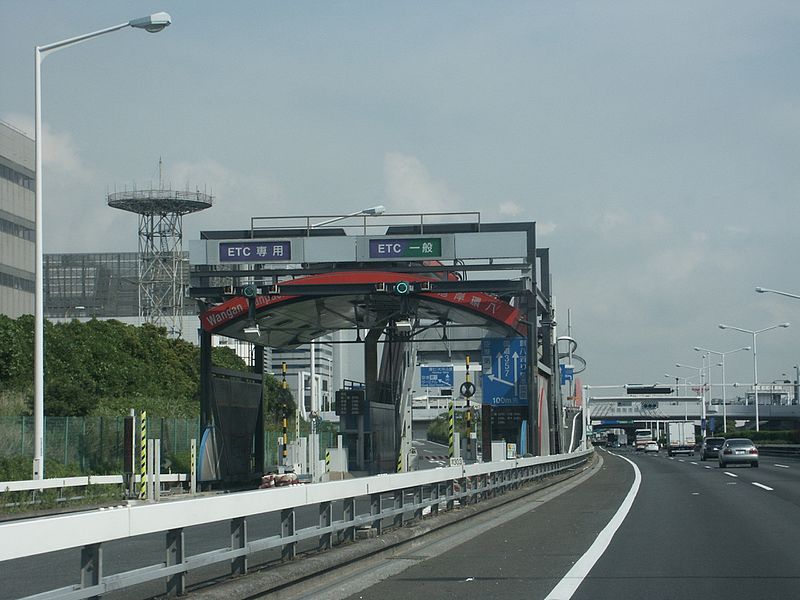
[(17, 226)]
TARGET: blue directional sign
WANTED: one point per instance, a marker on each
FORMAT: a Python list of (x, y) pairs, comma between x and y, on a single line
[(504, 371), (567, 373), (436, 377)]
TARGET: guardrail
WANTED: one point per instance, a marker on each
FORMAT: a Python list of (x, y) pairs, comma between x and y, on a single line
[(434, 490), (33, 485), (789, 450)]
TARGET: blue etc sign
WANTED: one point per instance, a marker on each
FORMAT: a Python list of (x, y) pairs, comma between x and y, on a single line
[(504, 371), (436, 377), (266, 251)]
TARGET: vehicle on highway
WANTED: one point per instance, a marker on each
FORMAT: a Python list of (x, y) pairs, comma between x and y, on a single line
[(680, 438), (651, 446), (710, 447), (738, 451), (641, 437)]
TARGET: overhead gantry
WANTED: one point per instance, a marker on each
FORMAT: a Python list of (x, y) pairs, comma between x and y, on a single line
[(387, 280)]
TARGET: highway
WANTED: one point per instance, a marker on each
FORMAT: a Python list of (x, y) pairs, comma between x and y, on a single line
[(693, 530)]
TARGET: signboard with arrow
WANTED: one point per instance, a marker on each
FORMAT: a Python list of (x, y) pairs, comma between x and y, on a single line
[(504, 371)]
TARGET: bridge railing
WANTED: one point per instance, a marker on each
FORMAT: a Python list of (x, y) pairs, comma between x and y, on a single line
[(397, 498)]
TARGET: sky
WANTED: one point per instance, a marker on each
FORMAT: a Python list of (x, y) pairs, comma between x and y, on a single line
[(655, 144)]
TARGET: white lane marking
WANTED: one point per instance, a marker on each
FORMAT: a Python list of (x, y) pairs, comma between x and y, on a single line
[(694, 463), (681, 460), (706, 466), (672, 458), (762, 486), (730, 474), (575, 576), (782, 466)]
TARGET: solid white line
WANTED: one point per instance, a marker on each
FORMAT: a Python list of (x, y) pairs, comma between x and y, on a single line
[(575, 576), (782, 466), (762, 486), (730, 474)]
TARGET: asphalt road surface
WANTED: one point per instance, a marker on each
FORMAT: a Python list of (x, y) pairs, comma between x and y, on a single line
[(693, 531)]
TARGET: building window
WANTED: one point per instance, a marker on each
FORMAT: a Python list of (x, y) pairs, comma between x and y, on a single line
[(16, 177)]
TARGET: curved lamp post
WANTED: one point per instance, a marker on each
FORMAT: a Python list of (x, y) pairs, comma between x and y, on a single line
[(702, 372), (366, 212), (152, 23), (755, 358), (762, 290), (722, 364)]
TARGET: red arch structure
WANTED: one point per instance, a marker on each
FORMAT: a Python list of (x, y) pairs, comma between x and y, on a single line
[(351, 299)]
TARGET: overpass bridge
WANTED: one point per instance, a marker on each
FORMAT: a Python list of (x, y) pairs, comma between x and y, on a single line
[(614, 411)]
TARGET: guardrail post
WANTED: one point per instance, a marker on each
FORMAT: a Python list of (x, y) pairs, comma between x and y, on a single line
[(450, 493), (418, 503), (91, 566), (399, 502), (238, 542), (325, 520), (375, 511), (434, 498), (348, 514), (176, 584), (288, 550)]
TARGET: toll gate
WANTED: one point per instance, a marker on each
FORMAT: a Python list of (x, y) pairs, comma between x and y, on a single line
[(387, 278)]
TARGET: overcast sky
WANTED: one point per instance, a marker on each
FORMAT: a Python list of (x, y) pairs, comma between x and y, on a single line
[(656, 144)]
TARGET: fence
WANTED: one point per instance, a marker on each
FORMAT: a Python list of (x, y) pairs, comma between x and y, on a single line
[(95, 444)]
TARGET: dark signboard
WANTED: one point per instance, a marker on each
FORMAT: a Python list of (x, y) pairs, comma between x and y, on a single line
[(253, 252), (648, 390), (350, 402)]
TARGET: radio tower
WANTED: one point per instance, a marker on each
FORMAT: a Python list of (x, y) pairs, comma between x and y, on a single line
[(161, 262)]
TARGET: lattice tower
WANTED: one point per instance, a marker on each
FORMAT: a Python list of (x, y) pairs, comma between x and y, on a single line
[(162, 268)]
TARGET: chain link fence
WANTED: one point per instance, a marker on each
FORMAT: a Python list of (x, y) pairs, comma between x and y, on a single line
[(94, 445)]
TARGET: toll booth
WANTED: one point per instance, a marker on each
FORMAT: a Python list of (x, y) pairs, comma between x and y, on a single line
[(285, 281)]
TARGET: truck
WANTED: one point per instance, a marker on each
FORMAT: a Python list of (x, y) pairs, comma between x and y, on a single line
[(680, 438), (642, 436), (616, 438)]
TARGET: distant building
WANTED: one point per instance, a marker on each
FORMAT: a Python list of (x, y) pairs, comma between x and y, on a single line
[(17, 226)]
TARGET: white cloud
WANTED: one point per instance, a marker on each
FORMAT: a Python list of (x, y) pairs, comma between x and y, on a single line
[(545, 228), (510, 208), (409, 187)]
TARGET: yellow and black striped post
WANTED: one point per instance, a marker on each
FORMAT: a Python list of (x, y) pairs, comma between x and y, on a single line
[(327, 461), (143, 455), (451, 421), (469, 417), (285, 452), (400, 462)]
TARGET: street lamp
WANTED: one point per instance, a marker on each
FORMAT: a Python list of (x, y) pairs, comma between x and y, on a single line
[(152, 23), (367, 212), (700, 370), (755, 358), (722, 364), (762, 290)]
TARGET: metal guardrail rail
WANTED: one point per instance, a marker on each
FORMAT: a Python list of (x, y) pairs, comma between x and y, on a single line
[(436, 490), (789, 450)]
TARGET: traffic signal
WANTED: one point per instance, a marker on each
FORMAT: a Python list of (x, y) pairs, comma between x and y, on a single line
[(402, 288)]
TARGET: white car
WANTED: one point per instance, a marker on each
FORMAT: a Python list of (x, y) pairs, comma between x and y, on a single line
[(651, 447)]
